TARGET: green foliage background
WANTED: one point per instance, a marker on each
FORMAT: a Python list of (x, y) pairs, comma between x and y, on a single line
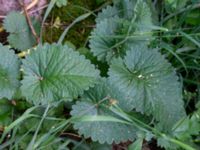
[(174, 32)]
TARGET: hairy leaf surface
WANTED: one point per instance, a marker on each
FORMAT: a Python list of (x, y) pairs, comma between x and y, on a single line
[(143, 17), (107, 13), (9, 72), (55, 72), (94, 103), (20, 36), (149, 84), (121, 26), (104, 43), (125, 8)]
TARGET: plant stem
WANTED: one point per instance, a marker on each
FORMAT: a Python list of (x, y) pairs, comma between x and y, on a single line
[(137, 123), (31, 144)]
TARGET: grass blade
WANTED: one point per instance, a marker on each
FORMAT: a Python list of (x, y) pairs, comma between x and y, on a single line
[(80, 18)]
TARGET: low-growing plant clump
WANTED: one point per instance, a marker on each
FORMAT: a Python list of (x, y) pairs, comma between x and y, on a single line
[(132, 83)]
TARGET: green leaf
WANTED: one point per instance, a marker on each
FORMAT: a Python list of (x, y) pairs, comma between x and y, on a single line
[(115, 32), (162, 142), (95, 104), (9, 72), (110, 39), (143, 17), (107, 13), (137, 145), (61, 3), (149, 84), (175, 5), (125, 8), (5, 112), (20, 36), (103, 42), (188, 127), (55, 72), (121, 8)]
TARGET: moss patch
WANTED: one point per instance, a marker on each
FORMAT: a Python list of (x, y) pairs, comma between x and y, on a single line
[(79, 33)]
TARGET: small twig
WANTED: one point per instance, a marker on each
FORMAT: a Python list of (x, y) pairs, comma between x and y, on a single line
[(31, 26), (29, 12), (32, 4), (30, 22), (71, 135), (38, 9)]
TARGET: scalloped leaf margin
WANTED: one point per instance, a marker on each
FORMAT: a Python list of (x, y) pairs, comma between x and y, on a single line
[(9, 72), (149, 85), (55, 72), (94, 103)]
